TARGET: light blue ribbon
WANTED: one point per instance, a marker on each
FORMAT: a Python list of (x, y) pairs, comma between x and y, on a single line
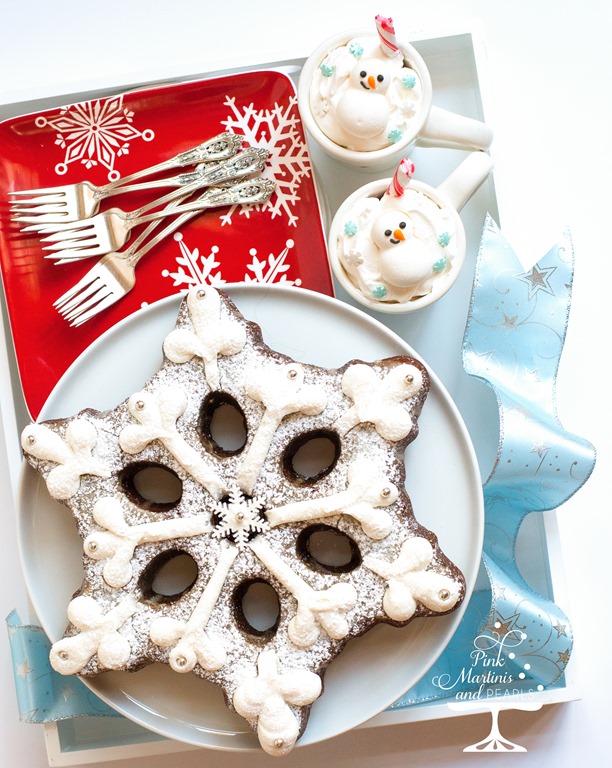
[(513, 341), (43, 695)]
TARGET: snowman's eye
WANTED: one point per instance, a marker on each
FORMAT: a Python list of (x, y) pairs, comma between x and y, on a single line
[(380, 78), (387, 232), (402, 225), (363, 73)]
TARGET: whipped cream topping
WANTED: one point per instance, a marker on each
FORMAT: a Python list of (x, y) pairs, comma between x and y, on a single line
[(395, 249), (362, 98)]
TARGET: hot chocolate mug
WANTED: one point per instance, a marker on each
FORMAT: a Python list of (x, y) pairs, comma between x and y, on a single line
[(397, 245), (362, 106)]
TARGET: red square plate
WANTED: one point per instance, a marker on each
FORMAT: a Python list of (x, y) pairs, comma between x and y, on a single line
[(103, 139)]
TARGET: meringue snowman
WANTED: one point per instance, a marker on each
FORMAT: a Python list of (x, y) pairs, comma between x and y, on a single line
[(404, 260), (363, 109), (397, 245)]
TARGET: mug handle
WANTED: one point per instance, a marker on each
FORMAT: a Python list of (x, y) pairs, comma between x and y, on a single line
[(461, 184), (448, 129)]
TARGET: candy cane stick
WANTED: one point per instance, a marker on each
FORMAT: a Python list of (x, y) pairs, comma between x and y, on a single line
[(386, 32), (401, 177)]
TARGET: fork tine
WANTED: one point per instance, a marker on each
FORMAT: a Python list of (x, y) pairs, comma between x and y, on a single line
[(110, 299), (70, 237), (60, 228), (39, 192), (73, 243), (91, 288), (91, 309), (107, 302), (76, 288), (70, 257), (39, 203), (31, 207), (74, 240), (67, 255), (100, 293), (39, 220)]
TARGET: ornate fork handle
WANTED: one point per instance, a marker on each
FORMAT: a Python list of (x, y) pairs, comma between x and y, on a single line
[(256, 191), (251, 192), (210, 174), (247, 162), (220, 147), (205, 174)]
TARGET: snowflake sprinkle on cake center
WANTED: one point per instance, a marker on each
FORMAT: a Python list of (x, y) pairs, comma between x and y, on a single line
[(239, 518)]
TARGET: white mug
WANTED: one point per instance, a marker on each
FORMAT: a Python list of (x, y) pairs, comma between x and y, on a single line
[(394, 270), (430, 126)]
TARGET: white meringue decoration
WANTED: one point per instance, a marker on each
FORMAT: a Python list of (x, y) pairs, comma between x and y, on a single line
[(282, 391), (97, 634), (157, 414), (363, 109), (410, 583), (378, 401), (266, 699), (212, 334), (116, 544), (367, 491), (73, 455)]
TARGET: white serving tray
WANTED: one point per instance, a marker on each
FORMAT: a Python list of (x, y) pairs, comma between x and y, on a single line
[(457, 62)]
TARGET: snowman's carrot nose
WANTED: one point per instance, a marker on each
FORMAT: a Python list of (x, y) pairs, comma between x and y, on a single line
[(398, 234), (372, 82)]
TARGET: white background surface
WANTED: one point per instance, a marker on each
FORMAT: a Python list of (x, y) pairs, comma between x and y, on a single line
[(549, 67)]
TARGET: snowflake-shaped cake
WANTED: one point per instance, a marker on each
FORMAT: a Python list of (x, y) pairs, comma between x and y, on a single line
[(246, 514)]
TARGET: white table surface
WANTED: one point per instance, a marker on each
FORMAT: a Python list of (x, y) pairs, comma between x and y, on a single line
[(549, 64)]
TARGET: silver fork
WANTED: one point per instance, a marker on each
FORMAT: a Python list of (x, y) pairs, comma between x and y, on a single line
[(217, 172), (72, 202), (114, 275), (110, 230), (38, 221)]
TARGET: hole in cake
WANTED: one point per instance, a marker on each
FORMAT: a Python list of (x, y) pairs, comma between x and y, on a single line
[(168, 576), (257, 607), (151, 486), (327, 549), (310, 457), (222, 426)]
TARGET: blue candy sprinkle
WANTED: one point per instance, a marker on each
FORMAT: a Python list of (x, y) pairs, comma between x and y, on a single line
[(327, 70), (379, 291), (409, 81), (444, 239), (356, 49), (440, 265), (350, 228), (395, 135)]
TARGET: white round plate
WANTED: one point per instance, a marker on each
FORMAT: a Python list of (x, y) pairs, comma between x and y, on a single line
[(443, 482)]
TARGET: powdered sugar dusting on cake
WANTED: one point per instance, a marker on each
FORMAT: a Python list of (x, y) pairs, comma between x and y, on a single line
[(245, 516)]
